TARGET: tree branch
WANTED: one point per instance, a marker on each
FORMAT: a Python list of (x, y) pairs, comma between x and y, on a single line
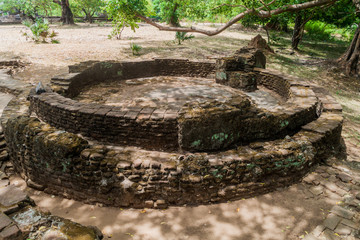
[(258, 11), (229, 5)]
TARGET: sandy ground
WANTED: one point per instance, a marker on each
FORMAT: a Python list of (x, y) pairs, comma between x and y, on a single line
[(286, 214)]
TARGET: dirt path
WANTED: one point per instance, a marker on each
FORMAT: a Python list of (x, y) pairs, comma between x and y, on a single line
[(286, 214)]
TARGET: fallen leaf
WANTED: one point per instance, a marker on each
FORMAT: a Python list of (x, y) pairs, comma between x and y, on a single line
[(93, 217), (42, 228), (131, 235), (143, 211), (238, 209)]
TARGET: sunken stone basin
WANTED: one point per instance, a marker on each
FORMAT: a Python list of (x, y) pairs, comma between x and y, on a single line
[(171, 131)]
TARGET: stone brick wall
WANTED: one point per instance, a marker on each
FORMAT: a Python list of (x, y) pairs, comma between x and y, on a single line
[(273, 81), (211, 128), (98, 72), (147, 127), (67, 165)]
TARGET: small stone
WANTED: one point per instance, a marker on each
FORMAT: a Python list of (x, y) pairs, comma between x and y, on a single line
[(85, 154), (149, 204), (137, 163), (342, 212), (308, 194), (358, 196), (343, 229), (11, 195), (316, 182), (331, 171), (4, 183), (3, 176), (161, 204), (40, 88), (35, 185), (332, 221), (4, 156), (330, 235), (316, 190), (54, 234), (351, 224), (155, 165), (344, 177), (341, 192), (4, 221), (96, 157), (331, 186), (345, 187), (310, 237), (11, 233), (318, 230), (309, 178), (195, 179)]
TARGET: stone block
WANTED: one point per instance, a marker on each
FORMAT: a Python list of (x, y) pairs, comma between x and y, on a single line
[(4, 221), (343, 229), (342, 212), (11, 233), (11, 195), (332, 221), (161, 204)]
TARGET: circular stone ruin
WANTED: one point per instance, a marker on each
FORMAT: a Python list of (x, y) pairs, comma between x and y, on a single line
[(172, 131)]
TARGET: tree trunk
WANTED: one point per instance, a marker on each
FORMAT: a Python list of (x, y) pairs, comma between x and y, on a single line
[(350, 60), (174, 20), (298, 31), (67, 16), (88, 16)]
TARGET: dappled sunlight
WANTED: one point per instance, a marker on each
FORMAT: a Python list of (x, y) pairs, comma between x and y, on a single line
[(285, 214)]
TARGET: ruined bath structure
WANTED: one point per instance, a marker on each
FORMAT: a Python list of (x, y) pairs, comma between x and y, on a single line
[(166, 132)]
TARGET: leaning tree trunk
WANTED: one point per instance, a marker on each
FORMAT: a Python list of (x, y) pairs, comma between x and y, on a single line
[(350, 60), (298, 31), (67, 16)]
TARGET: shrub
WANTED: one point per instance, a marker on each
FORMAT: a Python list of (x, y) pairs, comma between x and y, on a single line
[(182, 36), (135, 49), (40, 31)]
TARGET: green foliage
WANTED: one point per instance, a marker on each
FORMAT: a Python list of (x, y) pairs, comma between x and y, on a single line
[(124, 13), (28, 8), (182, 36), (40, 31), (135, 49), (87, 8), (319, 30), (167, 11), (117, 29)]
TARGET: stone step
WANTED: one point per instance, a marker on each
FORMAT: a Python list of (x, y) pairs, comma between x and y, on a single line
[(59, 83), (325, 123), (65, 77)]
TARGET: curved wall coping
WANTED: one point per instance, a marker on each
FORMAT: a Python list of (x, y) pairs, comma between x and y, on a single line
[(176, 128)]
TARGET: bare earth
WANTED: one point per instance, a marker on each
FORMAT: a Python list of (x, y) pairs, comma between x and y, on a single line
[(286, 214)]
